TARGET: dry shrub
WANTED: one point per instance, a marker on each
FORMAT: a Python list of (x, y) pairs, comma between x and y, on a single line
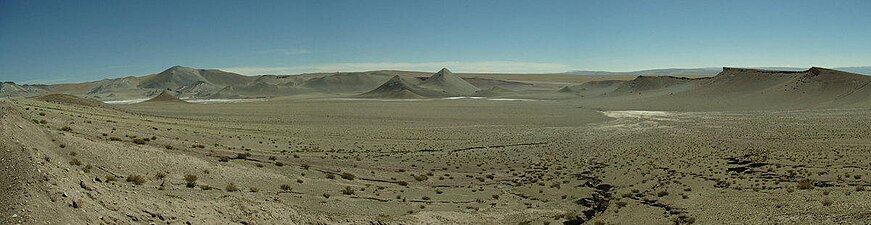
[(136, 179)]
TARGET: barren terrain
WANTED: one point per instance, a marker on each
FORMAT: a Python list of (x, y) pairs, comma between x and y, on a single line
[(743, 147)]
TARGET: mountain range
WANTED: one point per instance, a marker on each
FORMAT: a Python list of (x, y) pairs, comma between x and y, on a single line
[(866, 70)]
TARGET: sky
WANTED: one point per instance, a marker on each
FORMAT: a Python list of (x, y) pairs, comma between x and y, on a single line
[(72, 41)]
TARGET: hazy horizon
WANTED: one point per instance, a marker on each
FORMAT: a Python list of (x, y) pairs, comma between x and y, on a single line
[(62, 42)]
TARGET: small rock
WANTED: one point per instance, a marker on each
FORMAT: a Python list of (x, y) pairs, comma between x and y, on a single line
[(85, 186)]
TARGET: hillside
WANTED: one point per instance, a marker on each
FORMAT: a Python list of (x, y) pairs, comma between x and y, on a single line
[(165, 97), (348, 82), (449, 84), (13, 89), (398, 87)]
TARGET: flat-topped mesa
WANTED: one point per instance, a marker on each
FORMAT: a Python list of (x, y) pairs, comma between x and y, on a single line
[(642, 77), (760, 71)]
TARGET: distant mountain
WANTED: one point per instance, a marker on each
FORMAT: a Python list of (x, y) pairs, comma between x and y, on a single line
[(178, 77), (12, 89), (866, 70)]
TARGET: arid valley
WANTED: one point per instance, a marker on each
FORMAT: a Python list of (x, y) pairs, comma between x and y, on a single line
[(533, 149), (398, 112)]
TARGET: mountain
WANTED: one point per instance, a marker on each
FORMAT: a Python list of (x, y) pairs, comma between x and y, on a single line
[(398, 87), (165, 96), (449, 84), (348, 82), (648, 84), (740, 88), (866, 70), (178, 77), (593, 88), (12, 89)]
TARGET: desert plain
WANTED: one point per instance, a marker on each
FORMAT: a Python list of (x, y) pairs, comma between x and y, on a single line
[(742, 147)]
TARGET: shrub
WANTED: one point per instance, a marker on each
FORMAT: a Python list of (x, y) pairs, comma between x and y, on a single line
[(621, 204), (661, 193), (279, 164), (75, 162), (244, 155), (331, 176), (136, 179), (285, 187), (805, 184), (66, 128), (168, 147), (191, 180), (426, 198), (115, 139), (87, 168), (348, 176), (159, 175), (326, 195), (110, 178), (420, 177), (827, 202), (223, 159), (62, 146), (273, 158), (254, 189), (299, 181), (231, 187), (139, 141), (348, 191), (403, 183)]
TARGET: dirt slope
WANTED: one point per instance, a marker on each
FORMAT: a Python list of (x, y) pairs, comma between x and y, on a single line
[(347, 82), (71, 100)]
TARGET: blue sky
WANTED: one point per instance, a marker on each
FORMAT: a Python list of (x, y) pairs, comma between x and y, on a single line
[(71, 41)]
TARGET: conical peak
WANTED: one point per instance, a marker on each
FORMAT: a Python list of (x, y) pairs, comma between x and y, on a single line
[(444, 71)]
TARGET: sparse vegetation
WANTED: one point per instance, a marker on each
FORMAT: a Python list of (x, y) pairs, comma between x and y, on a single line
[(190, 180), (805, 184), (136, 179), (348, 176), (348, 191), (232, 187)]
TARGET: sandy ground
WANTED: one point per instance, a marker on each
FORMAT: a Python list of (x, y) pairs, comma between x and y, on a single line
[(440, 161)]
